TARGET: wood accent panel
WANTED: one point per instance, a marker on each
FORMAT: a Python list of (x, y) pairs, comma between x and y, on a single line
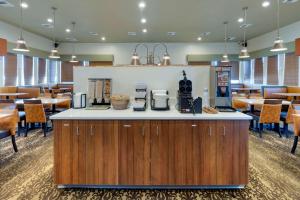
[(258, 71), (199, 63), (10, 70), (297, 47), (67, 70), (134, 153), (170, 153), (28, 70), (100, 63), (3, 47), (291, 69), (272, 78)]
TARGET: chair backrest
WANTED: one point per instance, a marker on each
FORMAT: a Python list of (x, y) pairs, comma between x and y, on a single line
[(32, 92), (273, 101), (267, 92), (270, 113), (34, 111), (296, 125)]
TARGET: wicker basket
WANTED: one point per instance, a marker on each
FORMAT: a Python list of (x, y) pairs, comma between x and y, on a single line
[(120, 102)]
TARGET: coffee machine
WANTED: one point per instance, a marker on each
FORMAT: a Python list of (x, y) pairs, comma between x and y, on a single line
[(186, 102)]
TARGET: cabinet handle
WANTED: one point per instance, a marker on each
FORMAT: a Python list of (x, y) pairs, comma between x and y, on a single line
[(224, 130), (92, 132), (127, 125), (209, 130), (77, 130), (157, 130), (194, 125)]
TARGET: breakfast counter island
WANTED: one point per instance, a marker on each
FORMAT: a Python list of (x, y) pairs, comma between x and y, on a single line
[(151, 149)]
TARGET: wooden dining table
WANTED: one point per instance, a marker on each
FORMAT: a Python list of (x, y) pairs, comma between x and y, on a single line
[(8, 95), (293, 95), (258, 102), (45, 101)]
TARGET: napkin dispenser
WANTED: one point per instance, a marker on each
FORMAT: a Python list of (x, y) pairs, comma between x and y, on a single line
[(79, 101)]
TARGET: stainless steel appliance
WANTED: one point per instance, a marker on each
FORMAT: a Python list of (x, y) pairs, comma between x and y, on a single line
[(160, 100), (220, 86)]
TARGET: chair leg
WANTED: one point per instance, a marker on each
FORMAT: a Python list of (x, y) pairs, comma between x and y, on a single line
[(294, 145), (13, 140), (277, 129), (44, 126), (19, 128), (260, 129), (286, 129), (26, 129), (251, 124)]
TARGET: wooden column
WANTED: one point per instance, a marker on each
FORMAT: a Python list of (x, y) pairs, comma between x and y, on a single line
[(3, 47)]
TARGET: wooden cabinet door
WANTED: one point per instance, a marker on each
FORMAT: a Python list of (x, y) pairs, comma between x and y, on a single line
[(134, 153), (69, 155), (232, 153), (63, 142), (101, 152), (162, 152), (78, 152), (201, 154)]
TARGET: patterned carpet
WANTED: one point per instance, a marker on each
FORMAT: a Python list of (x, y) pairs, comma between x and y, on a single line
[(274, 174)]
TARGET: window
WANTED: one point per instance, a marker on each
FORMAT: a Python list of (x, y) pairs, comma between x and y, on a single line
[(10, 70), (291, 69), (42, 75), (258, 71), (67, 70), (247, 70), (28, 70), (53, 72), (272, 77), (1, 70)]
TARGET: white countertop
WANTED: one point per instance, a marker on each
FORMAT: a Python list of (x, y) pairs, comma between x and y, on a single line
[(129, 114)]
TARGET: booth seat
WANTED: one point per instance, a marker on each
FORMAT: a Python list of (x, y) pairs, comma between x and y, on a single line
[(293, 89), (267, 91), (33, 92)]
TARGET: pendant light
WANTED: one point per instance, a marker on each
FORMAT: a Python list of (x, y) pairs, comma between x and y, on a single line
[(135, 59), (54, 52), (73, 57), (21, 44), (278, 43), (225, 56), (244, 51)]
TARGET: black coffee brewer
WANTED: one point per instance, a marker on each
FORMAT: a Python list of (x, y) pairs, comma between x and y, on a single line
[(186, 103)]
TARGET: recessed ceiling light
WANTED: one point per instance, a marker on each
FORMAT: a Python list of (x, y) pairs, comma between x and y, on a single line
[(265, 4), (93, 33), (241, 20), (205, 34), (145, 30), (199, 38), (68, 30), (103, 38), (50, 20), (143, 20), (142, 5), (24, 5), (171, 33), (132, 33)]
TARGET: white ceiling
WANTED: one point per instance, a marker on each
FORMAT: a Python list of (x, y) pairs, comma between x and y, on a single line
[(115, 18)]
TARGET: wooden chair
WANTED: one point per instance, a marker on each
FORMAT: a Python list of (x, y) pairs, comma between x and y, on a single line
[(8, 124), (269, 114), (35, 113), (10, 104), (296, 121), (287, 116)]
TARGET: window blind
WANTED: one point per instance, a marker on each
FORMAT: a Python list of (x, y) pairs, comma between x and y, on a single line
[(258, 71), (291, 69), (42, 71), (28, 70), (272, 76), (247, 70), (10, 70)]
